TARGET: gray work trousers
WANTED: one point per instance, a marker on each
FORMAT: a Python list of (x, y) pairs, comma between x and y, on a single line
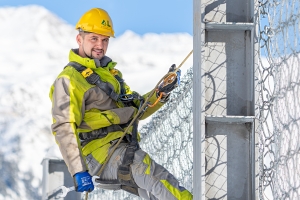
[(147, 175)]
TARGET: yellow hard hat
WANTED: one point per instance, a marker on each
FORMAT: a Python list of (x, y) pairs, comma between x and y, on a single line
[(97, 21)]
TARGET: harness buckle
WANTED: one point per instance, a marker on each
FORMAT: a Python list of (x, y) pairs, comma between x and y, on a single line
[(126, 97), (87, 72)]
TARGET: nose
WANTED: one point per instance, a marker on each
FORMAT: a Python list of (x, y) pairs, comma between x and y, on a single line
[(99, 44)]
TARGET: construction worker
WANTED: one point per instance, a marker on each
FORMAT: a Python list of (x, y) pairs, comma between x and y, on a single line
[(91, 108)]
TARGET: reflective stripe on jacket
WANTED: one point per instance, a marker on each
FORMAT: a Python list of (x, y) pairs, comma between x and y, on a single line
[(78, 106)]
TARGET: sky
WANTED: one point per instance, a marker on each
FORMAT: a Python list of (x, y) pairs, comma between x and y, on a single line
[(155, 16)]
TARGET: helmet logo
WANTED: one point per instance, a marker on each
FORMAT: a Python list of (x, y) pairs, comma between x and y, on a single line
[(105, 23)]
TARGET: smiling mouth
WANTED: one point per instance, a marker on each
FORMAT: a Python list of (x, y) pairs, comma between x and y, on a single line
[(98, 51)]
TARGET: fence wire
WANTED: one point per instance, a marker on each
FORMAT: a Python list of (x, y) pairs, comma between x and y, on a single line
[(279, 104)]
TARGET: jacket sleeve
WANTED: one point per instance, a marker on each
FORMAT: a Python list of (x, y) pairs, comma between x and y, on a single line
[(152, 100), (67, 115)]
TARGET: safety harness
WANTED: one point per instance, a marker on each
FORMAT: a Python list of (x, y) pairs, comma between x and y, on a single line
[(124, 174)]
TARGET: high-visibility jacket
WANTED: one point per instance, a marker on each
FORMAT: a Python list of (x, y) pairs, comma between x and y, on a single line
[(79, 107)]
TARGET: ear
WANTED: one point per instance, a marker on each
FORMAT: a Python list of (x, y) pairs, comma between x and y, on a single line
[(79, 39)]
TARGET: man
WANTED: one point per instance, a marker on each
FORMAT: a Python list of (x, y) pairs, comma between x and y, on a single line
[(91, 108)]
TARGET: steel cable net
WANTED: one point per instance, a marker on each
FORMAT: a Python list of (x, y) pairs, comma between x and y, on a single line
[(168, 139), (279, 105)]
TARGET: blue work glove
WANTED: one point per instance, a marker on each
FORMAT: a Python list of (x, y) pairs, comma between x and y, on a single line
[(83, 182), (170, 86)]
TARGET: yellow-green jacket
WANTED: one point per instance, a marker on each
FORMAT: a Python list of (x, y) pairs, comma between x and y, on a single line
[(78, 106)]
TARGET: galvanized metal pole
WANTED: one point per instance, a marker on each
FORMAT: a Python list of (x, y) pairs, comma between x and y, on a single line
[(223, 51), (198, 39)]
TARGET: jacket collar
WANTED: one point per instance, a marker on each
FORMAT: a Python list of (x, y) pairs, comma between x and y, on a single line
[(87, 62)]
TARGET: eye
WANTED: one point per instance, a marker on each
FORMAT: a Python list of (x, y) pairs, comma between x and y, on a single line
[(105, 40), (94, 39)]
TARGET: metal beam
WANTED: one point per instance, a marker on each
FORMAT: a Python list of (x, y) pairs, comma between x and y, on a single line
[(230, 119), (198, 39), (228, 26)]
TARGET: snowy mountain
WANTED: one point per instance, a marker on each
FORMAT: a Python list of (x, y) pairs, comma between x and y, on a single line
[(34, 49)]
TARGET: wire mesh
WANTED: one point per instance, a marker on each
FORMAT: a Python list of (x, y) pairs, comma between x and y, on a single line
[(279, 104)]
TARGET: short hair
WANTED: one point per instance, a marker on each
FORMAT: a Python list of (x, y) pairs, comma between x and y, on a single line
[(82, 32)]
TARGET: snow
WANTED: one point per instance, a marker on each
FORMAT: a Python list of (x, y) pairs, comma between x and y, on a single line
[(34, 49)]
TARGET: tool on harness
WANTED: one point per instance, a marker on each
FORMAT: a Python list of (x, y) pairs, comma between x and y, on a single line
[(127, 97), (166, 85), (171, 81)]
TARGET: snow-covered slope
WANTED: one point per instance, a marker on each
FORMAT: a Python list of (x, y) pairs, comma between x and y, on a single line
[(34, 49)]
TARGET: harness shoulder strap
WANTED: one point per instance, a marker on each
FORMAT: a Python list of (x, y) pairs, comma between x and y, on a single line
[(94, 79)]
